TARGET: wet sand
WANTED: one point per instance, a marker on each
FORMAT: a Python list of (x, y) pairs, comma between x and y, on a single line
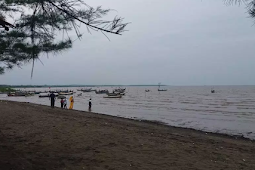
[(39, 137)]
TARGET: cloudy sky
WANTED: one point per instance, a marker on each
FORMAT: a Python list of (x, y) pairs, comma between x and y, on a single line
[(175, 42)]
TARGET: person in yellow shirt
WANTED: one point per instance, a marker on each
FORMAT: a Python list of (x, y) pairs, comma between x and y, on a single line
[(71, 102)]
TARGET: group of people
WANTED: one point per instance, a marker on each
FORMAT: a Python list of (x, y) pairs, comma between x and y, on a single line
[(63, 102)]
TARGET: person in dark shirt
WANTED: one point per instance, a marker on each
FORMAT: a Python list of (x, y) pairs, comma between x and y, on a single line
[(52, 99), (62, 103), (90, 104)]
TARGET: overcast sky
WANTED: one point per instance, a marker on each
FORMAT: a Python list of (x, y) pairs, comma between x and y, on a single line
[(175, 42)]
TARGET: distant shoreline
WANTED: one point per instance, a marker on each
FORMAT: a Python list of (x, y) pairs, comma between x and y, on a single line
[(156, 85), (46, 86)]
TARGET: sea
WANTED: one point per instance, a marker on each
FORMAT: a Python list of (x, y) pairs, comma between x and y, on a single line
[(230, 110)]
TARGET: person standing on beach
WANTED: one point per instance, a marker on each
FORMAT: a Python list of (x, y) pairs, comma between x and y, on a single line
[(71, 102), (65, 103), (62, 103), (90, 104), (52, 99)]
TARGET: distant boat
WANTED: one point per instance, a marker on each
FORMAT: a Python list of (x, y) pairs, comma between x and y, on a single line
[(161, 89), (60, 91), (147, 90), (85, 90), (61, 97), (115, 94), (120, 90), (212, 91), (42, 96), (112, 97), (19, 94), (46, 95), (65, 93), (101, 91), (16, 95)]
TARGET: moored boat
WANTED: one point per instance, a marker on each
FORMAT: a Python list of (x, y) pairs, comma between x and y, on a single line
[(61, 97), (19, 94), (115, 94), (46, 95), (65, 93), (120, 90), (86, 90), (16, 95), (112, 97), (161, 89), (101, 91)]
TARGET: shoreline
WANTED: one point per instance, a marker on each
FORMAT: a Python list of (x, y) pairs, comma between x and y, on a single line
[(35, 136), (149, 122)]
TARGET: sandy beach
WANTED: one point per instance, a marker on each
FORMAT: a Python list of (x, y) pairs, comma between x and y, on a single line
[(39, 137)]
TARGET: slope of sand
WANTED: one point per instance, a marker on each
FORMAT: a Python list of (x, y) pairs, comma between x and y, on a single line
[(38, 137)]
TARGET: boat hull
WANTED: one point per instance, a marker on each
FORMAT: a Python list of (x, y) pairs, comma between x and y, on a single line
[(113, 97)]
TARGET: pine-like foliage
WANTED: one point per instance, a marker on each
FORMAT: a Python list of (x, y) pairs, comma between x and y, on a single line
[(36, 29)]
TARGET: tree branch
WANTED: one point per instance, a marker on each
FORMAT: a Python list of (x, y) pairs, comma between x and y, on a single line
[(98, 28)]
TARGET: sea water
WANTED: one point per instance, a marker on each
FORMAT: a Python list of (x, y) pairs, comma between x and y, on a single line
[(230, 110)]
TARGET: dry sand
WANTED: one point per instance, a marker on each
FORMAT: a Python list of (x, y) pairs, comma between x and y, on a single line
[(39, 137)]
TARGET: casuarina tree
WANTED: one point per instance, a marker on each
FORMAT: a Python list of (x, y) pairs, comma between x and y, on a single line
[(37, 23)]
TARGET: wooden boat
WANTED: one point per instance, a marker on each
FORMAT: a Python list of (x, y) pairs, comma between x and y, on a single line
[(86, 90), (16, 95), (115, 94), (19, 94), (61, 97), (161, 89), (120, 90), (65, 93), (47, 95), (113, 97), (102, 92), (60, 91)]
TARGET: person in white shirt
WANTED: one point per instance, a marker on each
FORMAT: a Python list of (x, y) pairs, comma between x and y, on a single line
[(65, 103)]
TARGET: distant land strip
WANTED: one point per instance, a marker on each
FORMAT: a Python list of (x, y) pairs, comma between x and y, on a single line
[(45, 86)]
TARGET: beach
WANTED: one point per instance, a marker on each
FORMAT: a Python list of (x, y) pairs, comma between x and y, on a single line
[(39, 137)]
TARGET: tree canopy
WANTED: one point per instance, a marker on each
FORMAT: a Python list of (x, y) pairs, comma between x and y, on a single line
[(40, 21)]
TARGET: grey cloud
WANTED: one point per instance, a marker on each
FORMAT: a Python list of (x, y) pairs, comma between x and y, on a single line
[(184, 42)]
